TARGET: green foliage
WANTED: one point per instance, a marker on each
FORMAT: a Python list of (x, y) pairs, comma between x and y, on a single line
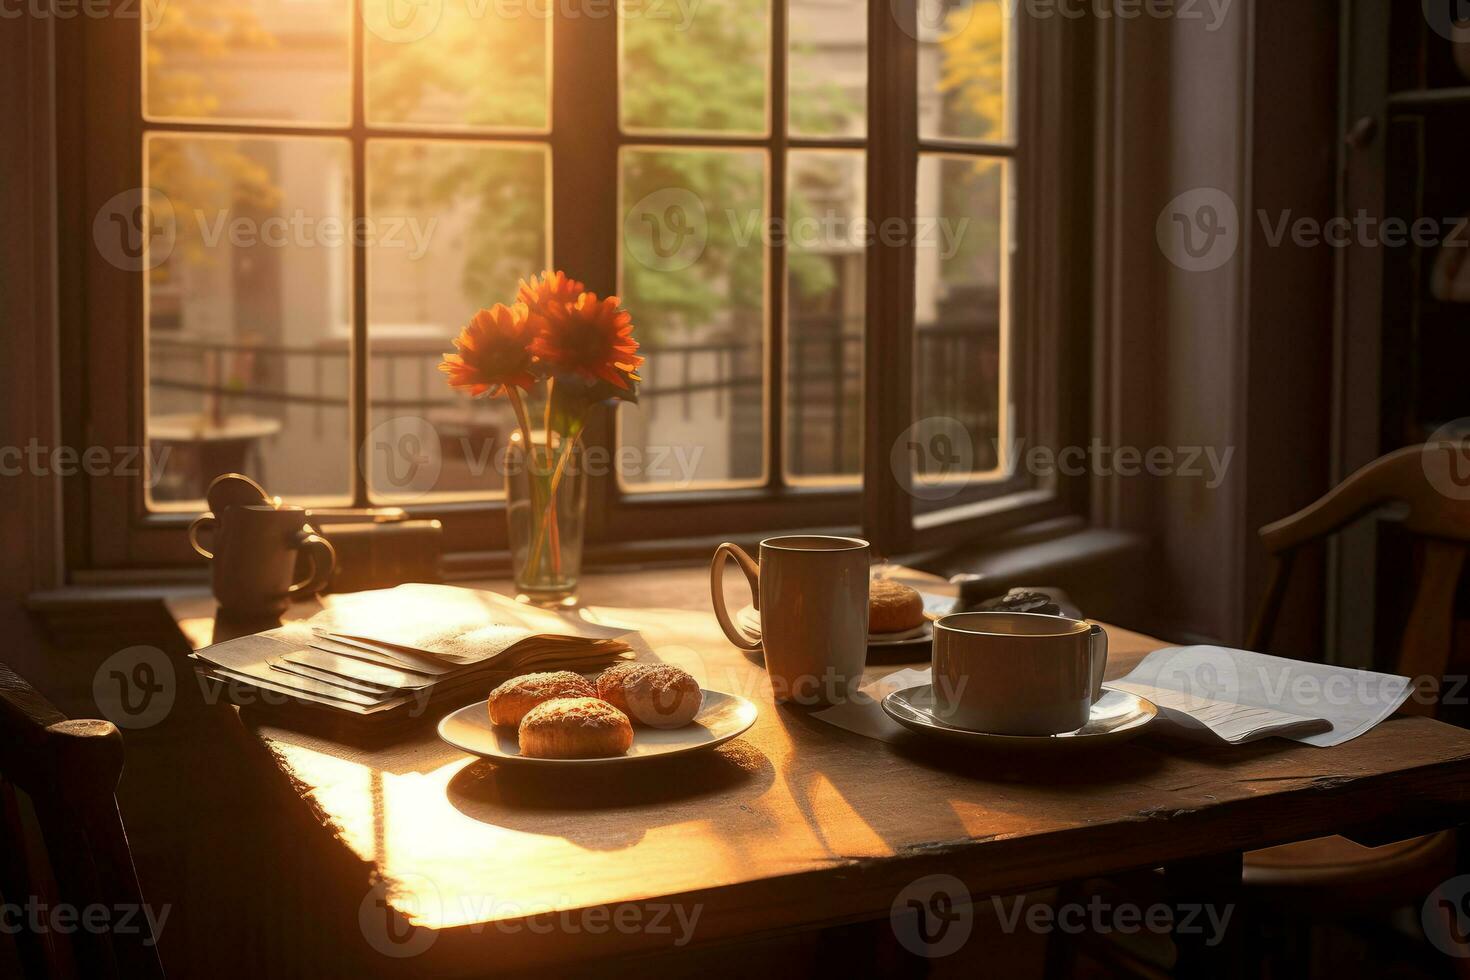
[(707, 75)]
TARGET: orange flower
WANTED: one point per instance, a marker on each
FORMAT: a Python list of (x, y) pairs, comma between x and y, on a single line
[(494, 351), (591, 338), (547, 289)]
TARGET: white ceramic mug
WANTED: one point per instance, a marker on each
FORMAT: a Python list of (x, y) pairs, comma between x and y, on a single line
[(812, 595), (1017, 673)]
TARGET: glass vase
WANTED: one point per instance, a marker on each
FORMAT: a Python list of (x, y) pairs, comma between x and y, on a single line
[(546, 506)]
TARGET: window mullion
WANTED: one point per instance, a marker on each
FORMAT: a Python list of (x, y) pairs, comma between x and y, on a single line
[(893, 80), (777, 326), (584, 189), (359, 398)]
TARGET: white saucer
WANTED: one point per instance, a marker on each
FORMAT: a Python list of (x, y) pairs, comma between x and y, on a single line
[(750, 620), (1116, 717), (721, 717)]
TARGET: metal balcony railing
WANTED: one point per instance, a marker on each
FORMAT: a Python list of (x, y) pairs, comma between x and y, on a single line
[(956, 362)]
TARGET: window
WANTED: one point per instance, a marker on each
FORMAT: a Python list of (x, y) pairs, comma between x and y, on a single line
[(325, 190)]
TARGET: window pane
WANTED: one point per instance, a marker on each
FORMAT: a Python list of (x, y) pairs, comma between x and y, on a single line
[(696, 67), (453, 227), (962, 253), (458, 63), (249, 313), (693, 274), (965, 66), (827, 67), (824, 320), (258, 60)]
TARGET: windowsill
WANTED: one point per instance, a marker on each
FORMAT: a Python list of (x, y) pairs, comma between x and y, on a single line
[(120, 608)]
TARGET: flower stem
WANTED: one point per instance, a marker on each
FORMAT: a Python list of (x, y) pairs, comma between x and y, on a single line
[(523, 420), (561, 465), (551, 514)]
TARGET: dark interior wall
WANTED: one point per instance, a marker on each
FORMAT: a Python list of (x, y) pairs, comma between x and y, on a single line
[(1294, 139), (1237, 115), (30, 524)]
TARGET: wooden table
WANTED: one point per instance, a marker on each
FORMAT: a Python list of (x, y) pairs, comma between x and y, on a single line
[(799, 824)]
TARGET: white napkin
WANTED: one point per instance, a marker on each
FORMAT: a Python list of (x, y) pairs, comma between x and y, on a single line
[(1238, 696), (864, 714)]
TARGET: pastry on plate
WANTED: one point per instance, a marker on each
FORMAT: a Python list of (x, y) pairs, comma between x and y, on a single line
[(657, 695), (510, 701), (893, 607), (575, 728)]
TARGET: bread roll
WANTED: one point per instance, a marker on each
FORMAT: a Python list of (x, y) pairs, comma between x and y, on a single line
[(657, 695), (510, 701), (575, 728), (893, 607)]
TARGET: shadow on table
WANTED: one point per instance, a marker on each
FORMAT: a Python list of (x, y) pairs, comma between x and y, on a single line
[(861, 784), (552, 802), (1086, 768)]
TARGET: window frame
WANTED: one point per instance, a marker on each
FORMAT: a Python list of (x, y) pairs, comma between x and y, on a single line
[(107, 520)]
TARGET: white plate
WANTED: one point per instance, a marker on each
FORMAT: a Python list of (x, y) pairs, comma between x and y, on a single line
[(750, 619), (721, 717)]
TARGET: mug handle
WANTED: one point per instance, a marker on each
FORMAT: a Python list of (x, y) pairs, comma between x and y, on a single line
[(1097, 653), (323, 558), (204, 522), (737, 636)]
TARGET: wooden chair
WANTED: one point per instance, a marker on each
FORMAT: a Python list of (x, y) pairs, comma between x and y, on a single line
[(1333, 875), (65, 847)]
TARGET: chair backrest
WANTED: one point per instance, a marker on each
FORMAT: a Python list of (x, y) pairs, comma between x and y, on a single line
[(1432, 481), (65, 862)]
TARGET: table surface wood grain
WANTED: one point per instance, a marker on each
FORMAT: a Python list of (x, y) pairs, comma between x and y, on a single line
[(798, 823)]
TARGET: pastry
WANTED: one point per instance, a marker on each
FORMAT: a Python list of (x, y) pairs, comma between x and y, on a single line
[(658, 695), (510, 701), (893, 607), (575, 728)]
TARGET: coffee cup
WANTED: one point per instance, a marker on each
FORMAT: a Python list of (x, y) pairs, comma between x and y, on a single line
[(253, 557), (1009, 673), (812, 595)]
